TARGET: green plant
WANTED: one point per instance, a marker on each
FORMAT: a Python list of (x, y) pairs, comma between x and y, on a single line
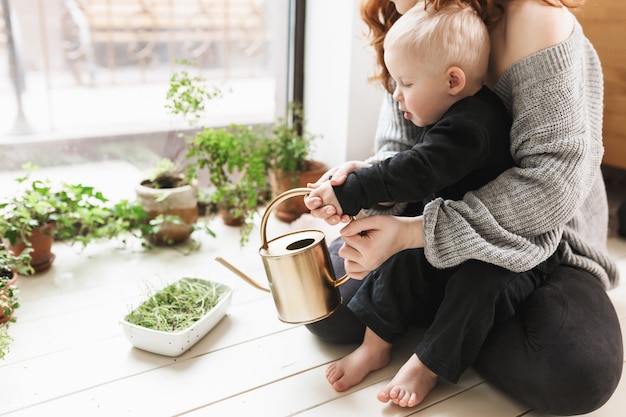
[(81, 214), (75, 209), (290, 158), (173, 209), (178, 305), (33, 206), (9, 300), (290, 145), (239, 206), (166, 174), (127, 219), (236, 160), (130, 220), (10, 263), (188, 96), (5, 340), (239, 158)]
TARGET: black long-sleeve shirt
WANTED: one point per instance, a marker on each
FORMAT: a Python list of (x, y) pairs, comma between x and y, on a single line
[(464, 150)]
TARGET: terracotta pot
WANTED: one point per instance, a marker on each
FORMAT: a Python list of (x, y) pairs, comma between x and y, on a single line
[(230, 220), (179, 201), (293, 208), (41, 241)]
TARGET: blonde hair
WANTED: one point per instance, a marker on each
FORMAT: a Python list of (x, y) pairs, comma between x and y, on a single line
[(379, 15), (449, 36)]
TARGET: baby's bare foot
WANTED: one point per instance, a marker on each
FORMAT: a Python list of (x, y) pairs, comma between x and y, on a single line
[(411, 384), (350, 370)]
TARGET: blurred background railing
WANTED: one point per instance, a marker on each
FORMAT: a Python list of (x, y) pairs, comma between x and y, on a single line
[(101, 67)]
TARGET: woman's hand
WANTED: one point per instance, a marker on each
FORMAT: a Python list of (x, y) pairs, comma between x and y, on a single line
[(370, 241), (337, 176)]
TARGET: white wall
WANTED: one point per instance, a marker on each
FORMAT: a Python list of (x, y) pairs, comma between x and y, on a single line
[(341, 104)]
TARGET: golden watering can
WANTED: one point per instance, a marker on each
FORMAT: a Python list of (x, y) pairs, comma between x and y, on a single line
[(299, 271)]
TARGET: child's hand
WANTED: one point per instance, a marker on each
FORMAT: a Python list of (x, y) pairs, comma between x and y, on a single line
[(320, 208), (322, 199)]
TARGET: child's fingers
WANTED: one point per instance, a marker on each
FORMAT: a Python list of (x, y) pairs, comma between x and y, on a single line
[(330, 210), (333, 220), (312, 202)]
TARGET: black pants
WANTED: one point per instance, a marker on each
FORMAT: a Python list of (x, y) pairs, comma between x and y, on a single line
[(557, 349)]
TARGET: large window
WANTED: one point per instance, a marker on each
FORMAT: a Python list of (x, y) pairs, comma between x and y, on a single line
[(80, 73)]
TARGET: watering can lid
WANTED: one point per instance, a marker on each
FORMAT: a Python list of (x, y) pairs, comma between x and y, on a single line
[(292, 243)]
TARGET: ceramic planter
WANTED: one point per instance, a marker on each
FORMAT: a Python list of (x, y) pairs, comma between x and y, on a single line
[(177, 342), (179, 201)]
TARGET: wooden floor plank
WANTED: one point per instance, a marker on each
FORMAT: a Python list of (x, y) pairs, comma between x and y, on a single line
[(113, 358), (480, 401), (183, 384), (309, 393)]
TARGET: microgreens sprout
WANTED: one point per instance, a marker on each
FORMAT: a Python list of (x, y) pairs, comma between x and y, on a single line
[(178, 305)]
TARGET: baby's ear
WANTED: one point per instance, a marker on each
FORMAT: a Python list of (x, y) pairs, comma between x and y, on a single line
[(456, 80)]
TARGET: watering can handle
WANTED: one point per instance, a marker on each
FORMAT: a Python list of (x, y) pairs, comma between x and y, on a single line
[(276, 201), (284, 196)]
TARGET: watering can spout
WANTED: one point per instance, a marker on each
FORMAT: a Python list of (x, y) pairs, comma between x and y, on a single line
[(241, 274)]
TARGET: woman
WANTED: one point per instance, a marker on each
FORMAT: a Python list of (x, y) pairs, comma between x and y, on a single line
[(562, 352)]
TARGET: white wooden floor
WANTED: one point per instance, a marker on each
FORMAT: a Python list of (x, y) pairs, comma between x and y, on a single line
[(69, 355)]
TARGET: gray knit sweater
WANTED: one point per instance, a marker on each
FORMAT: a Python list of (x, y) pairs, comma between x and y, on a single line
[(555, 198)]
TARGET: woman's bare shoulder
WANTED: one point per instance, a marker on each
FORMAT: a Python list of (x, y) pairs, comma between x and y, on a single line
[(528, 26)]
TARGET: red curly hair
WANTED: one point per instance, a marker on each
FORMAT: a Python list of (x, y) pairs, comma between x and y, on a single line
[(379, 15)]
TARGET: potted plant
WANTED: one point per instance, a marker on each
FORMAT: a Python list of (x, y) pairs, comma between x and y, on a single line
[(233, 158), (5, 340), (28, 219), (290, 149), (236, 160), (171, 320), (171, 201), (9, 300), (41, 212), (240, 159), (10, 267)]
